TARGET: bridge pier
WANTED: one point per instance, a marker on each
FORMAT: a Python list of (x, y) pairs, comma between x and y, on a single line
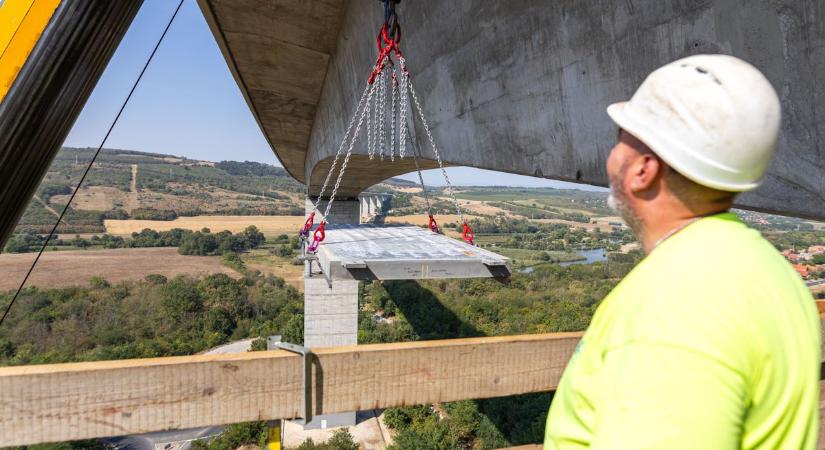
[(331, 313)]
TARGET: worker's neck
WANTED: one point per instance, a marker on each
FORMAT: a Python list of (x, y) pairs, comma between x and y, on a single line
[(660, 222)]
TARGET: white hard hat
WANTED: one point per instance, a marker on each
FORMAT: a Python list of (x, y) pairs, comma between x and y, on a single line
[(712, 118)]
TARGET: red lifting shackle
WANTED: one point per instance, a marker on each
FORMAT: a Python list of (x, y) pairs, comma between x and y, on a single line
[(308, 225), (467, 233), (385, 50), (433, 225), (317, 237)]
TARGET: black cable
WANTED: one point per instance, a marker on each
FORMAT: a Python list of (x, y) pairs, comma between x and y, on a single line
[(85, 173)]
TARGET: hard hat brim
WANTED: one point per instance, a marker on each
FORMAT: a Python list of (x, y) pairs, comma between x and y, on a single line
[(663, 148)]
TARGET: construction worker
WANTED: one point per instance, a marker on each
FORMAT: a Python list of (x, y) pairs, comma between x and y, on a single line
[(712, 341)]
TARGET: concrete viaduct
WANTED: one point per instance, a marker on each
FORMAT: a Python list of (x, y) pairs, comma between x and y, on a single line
[(518, 86)]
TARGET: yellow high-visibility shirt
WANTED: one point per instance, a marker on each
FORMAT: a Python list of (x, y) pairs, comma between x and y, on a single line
[(711, 342)]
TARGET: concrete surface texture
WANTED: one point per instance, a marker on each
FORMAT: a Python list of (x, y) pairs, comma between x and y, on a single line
[(521, 86), (343, 210), (278, 53), (330, 313), (330, 320)]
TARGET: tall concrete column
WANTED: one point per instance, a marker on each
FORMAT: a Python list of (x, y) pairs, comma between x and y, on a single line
[(331, 313)]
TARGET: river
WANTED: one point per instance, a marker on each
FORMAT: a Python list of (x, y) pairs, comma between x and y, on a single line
[(590, 256)]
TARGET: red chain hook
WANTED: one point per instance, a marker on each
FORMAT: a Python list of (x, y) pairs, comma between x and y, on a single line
[(467, 233), (433, 224), (307, 225), (385, 50), (317, 237)]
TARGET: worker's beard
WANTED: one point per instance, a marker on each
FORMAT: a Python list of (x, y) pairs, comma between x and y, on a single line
[(617, 201)]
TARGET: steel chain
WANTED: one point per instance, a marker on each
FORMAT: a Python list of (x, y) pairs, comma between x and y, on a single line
[(402, 115), (416, 152), (368, 111), (435, 149), (382, 113), (394, 94), (340, 148), (346, 160)]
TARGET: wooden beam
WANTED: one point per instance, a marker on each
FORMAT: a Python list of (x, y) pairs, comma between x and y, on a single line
[(59, 402), (48, 403)]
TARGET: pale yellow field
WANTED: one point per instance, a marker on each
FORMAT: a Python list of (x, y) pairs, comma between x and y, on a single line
[(271, 226), (480, 207), (72, 268), (422, 219)]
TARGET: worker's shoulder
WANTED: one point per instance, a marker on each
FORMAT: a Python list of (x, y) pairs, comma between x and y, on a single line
[(704, 285), (718, 250)]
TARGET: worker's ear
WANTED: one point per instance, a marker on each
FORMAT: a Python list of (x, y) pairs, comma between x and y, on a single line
[(644, 172)]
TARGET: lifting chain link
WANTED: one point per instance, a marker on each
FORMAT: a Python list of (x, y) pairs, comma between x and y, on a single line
[(432, 143), (346, 158), (394, 95), (372, 106), (402, 115), (340, 149), (382, 107), (368, 112)]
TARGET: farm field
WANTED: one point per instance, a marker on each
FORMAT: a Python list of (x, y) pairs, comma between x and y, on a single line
[(422, 220), (73, 268), (271, 226), (266, 263)]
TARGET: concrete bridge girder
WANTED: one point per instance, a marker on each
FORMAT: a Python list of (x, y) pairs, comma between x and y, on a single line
[(521, 87), (516, 87)]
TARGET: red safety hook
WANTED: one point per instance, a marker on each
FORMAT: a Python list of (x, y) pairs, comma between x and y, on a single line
[(467, 233), (317, 237), (433, 225), (307, 225)]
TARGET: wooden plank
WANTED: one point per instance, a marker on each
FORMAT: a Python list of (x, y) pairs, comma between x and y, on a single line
[(48, 403)]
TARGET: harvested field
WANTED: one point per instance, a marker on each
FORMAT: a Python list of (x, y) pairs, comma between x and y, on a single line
[(271, 226), (71, 268), (422, 220), (103, 198), (99, 198), (483, 208), (410, 190), (266, 263)]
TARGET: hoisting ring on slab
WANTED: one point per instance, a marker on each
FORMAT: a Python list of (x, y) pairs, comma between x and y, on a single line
[(373, 109)]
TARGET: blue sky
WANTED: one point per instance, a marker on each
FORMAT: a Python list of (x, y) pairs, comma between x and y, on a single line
[(188, 104)]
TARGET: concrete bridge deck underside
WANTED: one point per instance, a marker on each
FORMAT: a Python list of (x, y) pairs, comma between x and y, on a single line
[(518, 86)]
